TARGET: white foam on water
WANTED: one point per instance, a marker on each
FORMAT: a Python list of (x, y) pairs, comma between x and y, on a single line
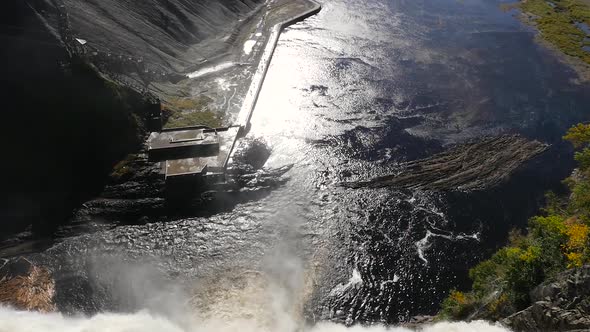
[(476, 326), (22, 321), (355, 279), (424, 244), (237, 300)]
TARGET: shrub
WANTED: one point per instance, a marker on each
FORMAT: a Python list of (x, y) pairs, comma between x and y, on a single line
[(578, 135), (583, 159), (576, 247), (457, 305)]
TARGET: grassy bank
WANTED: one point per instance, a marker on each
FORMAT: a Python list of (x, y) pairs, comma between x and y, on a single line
[(186, 112), (556, 240), (557, 19)]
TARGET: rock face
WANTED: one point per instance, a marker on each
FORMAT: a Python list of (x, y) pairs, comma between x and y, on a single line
[(66, 125), (136, 192), (142, 36), (158, 32), (562, 304), (472, 166), (26, 286)]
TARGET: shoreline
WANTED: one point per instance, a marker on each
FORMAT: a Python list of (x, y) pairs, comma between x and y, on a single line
[(581, 68)]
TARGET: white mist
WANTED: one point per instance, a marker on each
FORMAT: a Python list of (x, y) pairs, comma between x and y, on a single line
[(17, 321)]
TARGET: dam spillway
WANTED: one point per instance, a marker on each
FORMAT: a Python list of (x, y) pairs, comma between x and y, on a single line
[(197, 155)]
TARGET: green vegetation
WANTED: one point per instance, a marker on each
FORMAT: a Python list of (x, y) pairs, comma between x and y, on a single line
[(191, 112), (556, 240), (557, 24)]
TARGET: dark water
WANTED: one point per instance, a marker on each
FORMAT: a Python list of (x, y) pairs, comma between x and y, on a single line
[(350, 93)]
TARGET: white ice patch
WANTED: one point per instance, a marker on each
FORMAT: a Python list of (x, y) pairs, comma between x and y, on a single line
[(210, 70), (18, 321), (248, 46)]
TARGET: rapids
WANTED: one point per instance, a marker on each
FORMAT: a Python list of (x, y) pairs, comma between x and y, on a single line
[(146, 322)]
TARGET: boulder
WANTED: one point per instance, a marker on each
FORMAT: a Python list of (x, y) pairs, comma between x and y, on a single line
[(25, 286)]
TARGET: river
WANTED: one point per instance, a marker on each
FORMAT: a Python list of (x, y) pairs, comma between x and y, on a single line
[(350, 93)]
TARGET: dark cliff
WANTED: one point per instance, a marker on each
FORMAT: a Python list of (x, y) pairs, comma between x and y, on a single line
[(73, 73)]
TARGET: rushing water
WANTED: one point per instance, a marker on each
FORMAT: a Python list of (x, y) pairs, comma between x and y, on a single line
[(350, 93), (145, 322)]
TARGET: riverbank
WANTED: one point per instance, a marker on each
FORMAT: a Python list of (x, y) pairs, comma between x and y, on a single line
[(564, 28), (522, 283)]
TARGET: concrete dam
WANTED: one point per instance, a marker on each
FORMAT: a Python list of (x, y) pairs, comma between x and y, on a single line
[(193, 156)]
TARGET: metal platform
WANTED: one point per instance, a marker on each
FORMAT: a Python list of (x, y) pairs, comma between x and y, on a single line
[(183, 143), (192, 152)]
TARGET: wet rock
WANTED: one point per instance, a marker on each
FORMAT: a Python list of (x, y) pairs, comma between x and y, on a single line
[(77, 294), (136, 192), (129, 209), (562, 304), (251, 154), (26, 286), (255, 180), (135, 177), (472, 166), (418, 321)]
